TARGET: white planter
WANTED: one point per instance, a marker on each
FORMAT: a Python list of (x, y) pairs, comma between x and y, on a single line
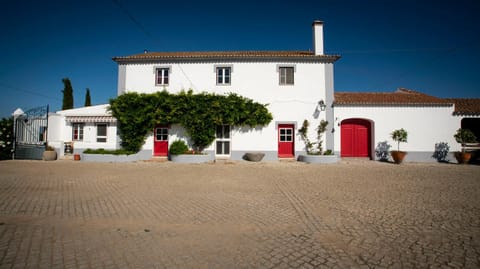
[(320, 159), (49, 155), (192, 158)]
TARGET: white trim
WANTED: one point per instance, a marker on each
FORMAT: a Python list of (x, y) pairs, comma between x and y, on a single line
[(229, 140), (223, 68), (155, 134), (101, 136), (169, 72)]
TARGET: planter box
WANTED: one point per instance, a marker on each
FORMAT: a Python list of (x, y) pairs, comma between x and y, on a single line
[(140, 156), (49, 155), (192, 158), (320, 159)]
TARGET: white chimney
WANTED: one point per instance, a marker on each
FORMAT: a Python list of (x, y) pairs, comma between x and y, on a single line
[(317, 37)]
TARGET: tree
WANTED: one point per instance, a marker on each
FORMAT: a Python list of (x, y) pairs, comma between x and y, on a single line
[(88, 101), (67, 94)]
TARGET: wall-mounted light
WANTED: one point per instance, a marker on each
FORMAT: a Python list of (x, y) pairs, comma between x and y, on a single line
[(322, 105)]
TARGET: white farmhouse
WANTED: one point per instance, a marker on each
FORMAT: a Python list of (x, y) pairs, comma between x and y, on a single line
[(296, 85)]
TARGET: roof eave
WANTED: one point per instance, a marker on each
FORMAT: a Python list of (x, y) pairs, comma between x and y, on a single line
[(154, 59), (389, 104)]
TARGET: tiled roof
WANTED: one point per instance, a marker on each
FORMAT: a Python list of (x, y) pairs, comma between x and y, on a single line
[(400, 97), (220, 55), (466, 106)]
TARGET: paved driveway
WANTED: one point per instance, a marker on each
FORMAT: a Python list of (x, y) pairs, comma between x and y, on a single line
[(355, 214)]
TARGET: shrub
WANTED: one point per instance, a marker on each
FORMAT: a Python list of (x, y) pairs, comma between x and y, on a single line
[(322, 127), (382, 151), (441, 151), (465, 136), (178, 147), (6, 138), (108, 151)]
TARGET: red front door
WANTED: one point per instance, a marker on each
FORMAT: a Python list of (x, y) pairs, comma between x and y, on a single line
[(355, 138), (160, 143), (286, 146)]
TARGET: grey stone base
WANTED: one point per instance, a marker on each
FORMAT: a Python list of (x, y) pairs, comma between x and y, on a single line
[(319, 159), (190, 158), (140, 156), (423, 156)]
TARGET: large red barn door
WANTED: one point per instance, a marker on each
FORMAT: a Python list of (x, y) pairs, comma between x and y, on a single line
[(355, 138)]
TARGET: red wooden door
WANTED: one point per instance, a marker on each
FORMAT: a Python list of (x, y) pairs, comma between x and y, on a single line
[(355, 138), (286, 146), (160, 143)]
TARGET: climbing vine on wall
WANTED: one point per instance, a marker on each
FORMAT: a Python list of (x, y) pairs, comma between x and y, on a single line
[(199, 114)]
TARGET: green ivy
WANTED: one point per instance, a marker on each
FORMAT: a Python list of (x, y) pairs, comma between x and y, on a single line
[(199, 114)]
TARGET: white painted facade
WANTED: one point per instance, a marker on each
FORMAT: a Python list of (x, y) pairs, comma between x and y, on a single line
[(256, 80), (426, 125), (60, 129)]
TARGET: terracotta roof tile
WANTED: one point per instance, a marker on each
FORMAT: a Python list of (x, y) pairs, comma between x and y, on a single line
[(201, 55), (465, 106), (400, 97)]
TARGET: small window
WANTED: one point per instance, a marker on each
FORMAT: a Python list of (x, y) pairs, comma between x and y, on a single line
[(286, 75), (161, 134), (77, 132), (286, 134), (101, 132), (162, 76), (223, 75)]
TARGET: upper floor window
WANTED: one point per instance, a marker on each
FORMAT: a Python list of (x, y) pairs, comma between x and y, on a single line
[(286, 74), (77, 132), (162, 76), (101, 132), (223, 75)]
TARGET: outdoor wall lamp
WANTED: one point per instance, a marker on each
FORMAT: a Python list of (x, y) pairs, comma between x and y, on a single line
[(322, 105)]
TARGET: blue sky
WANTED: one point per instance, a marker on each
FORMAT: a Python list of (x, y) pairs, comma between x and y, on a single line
[(429, 46)]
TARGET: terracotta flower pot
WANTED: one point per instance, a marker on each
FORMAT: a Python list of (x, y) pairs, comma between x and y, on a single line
[(76, 157), (398, 156), (463, 157)]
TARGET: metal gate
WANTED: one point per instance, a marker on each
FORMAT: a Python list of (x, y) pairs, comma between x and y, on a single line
[(30, 129)]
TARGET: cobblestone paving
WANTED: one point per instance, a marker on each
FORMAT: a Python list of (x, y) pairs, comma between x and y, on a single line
[(355, 214)]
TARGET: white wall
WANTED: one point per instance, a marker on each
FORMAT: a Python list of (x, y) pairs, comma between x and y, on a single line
[(90, 136), (425, 125), (256, 80)]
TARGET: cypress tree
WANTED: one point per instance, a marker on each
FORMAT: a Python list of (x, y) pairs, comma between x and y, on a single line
[(67, 94), (88, 101)]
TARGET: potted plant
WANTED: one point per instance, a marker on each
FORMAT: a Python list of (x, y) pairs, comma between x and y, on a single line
[(464, 136), (315, 153), (49, 154), (399, 135)]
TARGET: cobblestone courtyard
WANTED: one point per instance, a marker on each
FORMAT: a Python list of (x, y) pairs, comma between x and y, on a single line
[(355, 214)]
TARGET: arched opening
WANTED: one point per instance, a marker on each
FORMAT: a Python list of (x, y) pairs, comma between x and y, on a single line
[(356, 138)]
